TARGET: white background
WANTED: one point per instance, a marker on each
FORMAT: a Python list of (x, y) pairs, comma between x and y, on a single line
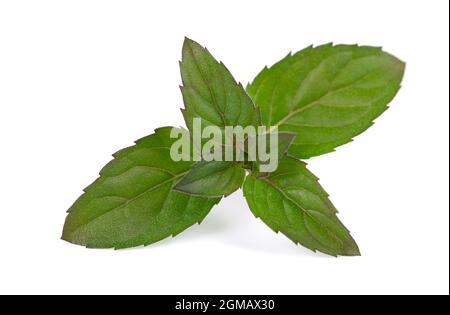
[(81, 79)]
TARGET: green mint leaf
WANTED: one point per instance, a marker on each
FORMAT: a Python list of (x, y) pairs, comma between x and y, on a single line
[(212, 179), (133, 203), (285, 140), (291, 201), (327, 94), (211, 93)]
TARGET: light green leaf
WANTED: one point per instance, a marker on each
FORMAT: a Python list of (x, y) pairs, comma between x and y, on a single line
[(133, 203), (327, 94), (211, 93), (212, 179), (292, 202)]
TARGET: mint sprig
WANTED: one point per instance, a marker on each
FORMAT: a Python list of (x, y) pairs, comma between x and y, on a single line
[(313, 101)]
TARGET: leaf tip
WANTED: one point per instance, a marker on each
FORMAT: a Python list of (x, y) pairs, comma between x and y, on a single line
[(189, 46), (350, 248), (187, 40), (190, 43)]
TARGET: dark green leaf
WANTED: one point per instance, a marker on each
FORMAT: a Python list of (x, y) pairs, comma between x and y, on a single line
[(285, 140), (212, 179), (133, 203), (282, 146), (211, 93), (327, 94), (291, 201)]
